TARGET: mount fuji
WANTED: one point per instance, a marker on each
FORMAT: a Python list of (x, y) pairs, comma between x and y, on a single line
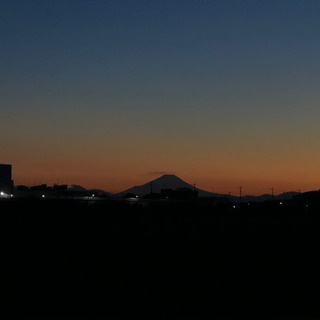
[(167, 181), (171, 181)]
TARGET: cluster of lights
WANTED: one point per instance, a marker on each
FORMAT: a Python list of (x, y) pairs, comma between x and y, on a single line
[(5, 195)]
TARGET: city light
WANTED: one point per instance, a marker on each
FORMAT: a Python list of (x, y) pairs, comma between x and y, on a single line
[(5, 195)]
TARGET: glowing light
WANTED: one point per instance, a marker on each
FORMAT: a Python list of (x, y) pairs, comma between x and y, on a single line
[(43, 196)]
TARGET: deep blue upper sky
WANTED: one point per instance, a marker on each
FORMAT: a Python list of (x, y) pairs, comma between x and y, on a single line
[(161, 46)]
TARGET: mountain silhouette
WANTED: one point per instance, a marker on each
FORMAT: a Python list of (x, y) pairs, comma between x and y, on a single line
[(166, 181), (171, 181), (78, 188), (267, 197)]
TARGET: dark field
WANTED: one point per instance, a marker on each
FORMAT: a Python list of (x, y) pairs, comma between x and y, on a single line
[(176, 260)]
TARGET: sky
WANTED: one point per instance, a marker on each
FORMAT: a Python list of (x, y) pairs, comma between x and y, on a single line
[(111, 94)]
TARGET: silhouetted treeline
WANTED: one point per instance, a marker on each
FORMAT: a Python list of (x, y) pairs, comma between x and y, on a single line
[(115, 259)]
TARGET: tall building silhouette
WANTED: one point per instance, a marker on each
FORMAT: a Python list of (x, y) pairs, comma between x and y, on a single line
[(6, 183)]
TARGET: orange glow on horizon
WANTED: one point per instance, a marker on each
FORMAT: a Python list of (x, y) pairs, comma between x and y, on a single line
[(119, 178)]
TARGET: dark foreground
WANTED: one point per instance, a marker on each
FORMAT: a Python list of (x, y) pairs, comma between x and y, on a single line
[(110, 259)]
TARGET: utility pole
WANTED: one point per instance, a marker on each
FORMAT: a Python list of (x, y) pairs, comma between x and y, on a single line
[(240, 189)]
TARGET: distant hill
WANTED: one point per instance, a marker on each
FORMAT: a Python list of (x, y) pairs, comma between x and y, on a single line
[(167, 181), (77, 188), (267, 197)]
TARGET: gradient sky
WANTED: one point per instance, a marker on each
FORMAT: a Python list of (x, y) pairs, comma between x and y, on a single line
[(110, 94)]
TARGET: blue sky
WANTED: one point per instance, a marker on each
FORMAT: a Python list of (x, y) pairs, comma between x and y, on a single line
[(188, 75)]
